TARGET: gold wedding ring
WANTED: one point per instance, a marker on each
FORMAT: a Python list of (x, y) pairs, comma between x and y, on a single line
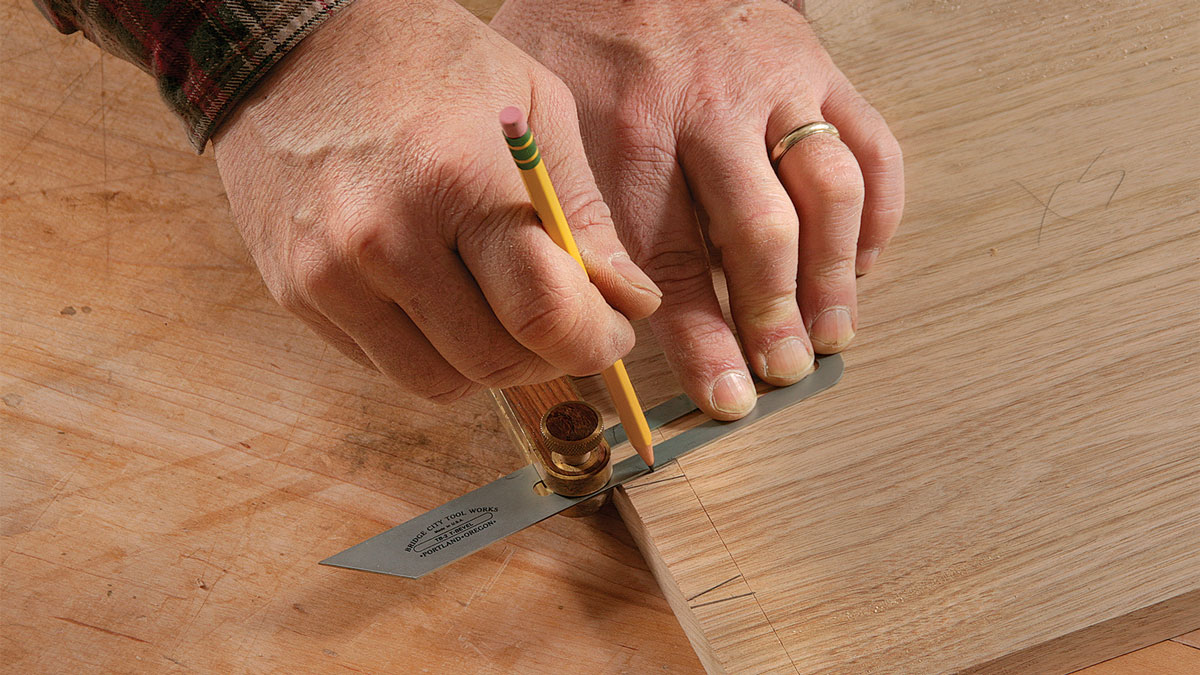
[(798, 134)]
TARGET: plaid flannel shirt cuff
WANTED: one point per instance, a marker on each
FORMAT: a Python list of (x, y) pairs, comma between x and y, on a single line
[(226, 67), (205, 56)]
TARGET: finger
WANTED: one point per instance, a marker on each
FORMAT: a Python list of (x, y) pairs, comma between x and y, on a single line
[(437, 293), (822, 177), (753, 223), (541, 295), (395, 346), (867, 135), (648, 193), (623, 284), (333, 335), (401, 352)]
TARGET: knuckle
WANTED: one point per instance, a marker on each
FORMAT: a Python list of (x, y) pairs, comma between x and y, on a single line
[(881, 144), (710, 99), (886, 218), (834, 270), (455, 189), (839, 183), (561, 95), (314, 275), (597, 356), (289, 297), (778, 232), (590, 364), (675, 268), (885, 148), (365, 241), (774, 310), (551, 321), (640, 140), (646, 155), (505, 372), (691, 342), (552, 90), (632, 118), (587, 211), (491, 229)]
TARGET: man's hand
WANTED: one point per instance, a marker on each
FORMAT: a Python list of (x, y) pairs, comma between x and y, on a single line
[(681, 102), (372, 185)]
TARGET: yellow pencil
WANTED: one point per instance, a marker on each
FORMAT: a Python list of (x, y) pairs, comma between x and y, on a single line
[(541, 192)]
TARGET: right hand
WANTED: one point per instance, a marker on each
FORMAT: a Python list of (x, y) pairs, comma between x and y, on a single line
[(372, 185)]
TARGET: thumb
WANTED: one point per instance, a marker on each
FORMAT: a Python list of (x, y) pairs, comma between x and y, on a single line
[(556, 130)]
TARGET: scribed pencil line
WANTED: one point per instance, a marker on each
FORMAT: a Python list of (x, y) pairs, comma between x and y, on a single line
[(713, 602), (733, 578)]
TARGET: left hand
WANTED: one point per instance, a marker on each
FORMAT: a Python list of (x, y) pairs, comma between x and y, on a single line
[(679, 106)]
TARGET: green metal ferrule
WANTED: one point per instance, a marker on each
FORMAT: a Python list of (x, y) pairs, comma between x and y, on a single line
[(526, 153), (524, 150), (526, 166), (518, 142)]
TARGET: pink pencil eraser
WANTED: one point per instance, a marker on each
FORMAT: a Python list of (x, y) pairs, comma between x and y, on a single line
[(512, 120)]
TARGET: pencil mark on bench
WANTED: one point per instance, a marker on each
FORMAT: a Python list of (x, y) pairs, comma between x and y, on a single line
[(1103, 175), (1082, 180), (1045, 206)]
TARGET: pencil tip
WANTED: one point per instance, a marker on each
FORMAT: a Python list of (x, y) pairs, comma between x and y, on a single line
[(646, 452)]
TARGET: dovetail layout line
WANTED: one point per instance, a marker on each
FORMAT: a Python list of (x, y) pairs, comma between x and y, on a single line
[(733, 578), (729, 554), (713, 602), (653, 482)]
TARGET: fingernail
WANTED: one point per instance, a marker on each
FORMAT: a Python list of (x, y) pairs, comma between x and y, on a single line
[(865, 260), (831, 331), (788, 359), (733, 393), (633, 274)]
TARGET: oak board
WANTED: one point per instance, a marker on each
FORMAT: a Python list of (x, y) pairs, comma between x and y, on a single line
[(1007, 479)]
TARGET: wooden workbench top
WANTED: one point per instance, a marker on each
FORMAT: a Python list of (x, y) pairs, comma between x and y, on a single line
[(178, 452)]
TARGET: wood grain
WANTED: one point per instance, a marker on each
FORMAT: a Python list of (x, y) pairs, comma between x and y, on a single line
[(177, 453), (1007, 478), (1164, 658), (521, 410), (1191, 639), (528, 403)]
